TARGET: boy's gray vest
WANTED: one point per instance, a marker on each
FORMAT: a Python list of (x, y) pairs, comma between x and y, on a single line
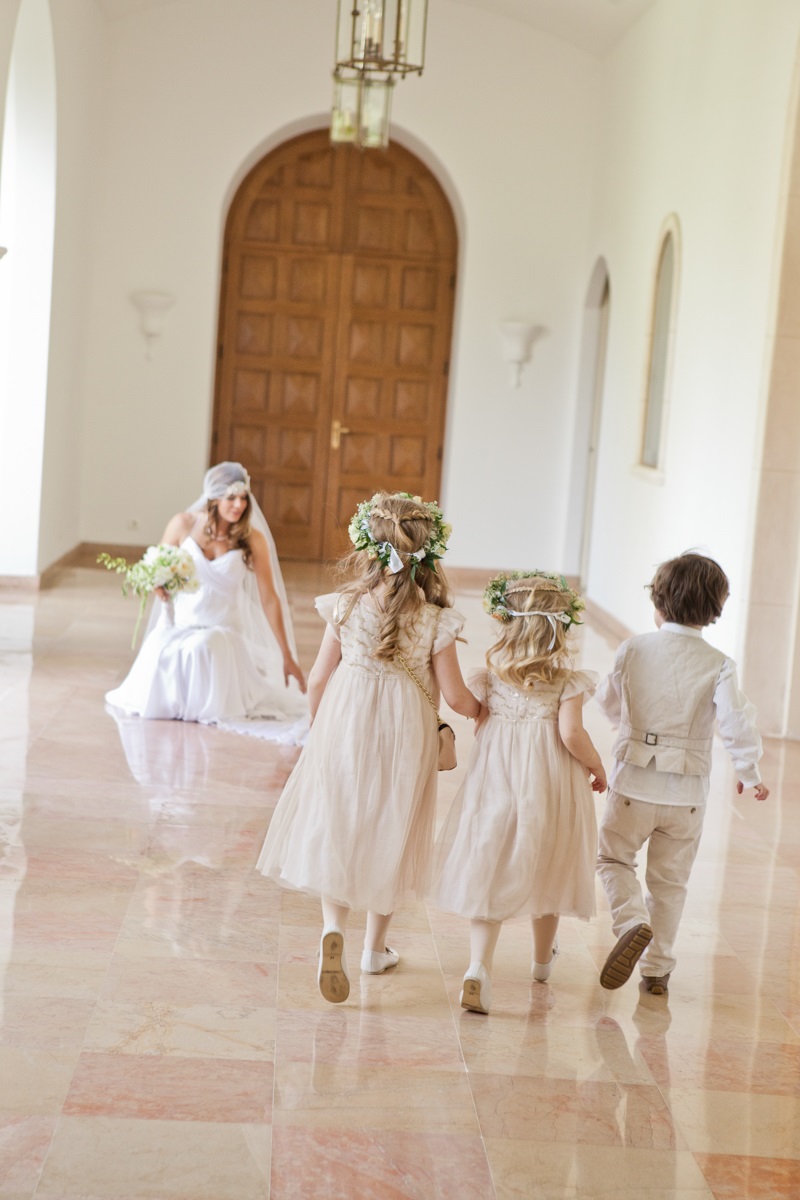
[(668, 682)]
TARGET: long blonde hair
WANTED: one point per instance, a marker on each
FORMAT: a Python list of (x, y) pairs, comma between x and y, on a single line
[(405, 523), (532, 649)]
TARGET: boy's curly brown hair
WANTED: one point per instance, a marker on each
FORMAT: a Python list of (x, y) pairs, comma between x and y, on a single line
[(690, 589)]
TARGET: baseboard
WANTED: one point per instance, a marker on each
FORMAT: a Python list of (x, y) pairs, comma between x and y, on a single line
[(20, 583), (605, 624), (83, 555), (476, 578)]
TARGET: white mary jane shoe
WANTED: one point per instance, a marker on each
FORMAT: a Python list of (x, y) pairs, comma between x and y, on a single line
[(332, 977), (541, 971), (375, 962), (476, 994)]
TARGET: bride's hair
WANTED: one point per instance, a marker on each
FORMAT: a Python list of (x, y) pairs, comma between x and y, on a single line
[(406, 524), (238, 535)]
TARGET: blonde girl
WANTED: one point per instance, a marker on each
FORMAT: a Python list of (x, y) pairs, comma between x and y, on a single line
[(354, 824), (521, 836)]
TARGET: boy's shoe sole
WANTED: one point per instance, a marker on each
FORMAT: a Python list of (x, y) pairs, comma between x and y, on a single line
[(333, 981), (619, 965)]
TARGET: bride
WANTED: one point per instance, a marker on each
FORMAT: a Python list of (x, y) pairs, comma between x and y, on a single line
[(224, 654)]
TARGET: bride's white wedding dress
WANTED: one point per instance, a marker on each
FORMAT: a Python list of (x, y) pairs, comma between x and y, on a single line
[(198, 664)]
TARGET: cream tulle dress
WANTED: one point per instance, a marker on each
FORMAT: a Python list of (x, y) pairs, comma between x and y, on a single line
[(521, 835), (355, 820)]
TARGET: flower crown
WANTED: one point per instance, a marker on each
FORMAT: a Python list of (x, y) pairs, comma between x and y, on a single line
[(434, 549), (494, 596)]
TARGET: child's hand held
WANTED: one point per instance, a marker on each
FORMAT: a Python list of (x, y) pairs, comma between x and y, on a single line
[(599, 781), (759, 791)]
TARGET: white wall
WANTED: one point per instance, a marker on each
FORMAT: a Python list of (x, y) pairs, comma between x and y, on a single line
[(196, 89), (695, 108), (78, 30)]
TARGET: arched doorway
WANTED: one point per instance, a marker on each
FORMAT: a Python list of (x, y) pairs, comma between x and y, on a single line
[(336, 315), (27, 229)]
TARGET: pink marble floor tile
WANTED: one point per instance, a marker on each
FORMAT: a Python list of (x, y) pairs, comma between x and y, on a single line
[(343, 1096), (34, 1079), (139, 980), (356, 1165), (724, 1064), (196, 1031), (591, 1112), (177, 1089), (24, 1142), (531, 1170), (118, 1158), (108, 835), (57, 974), (96, 930), (601, 1052), (47, 1022), (738, 1177), (407, 990), (358, 1037), (66, 864)]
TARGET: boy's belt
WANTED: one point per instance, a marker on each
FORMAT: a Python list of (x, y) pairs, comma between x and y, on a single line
[(649, 738)]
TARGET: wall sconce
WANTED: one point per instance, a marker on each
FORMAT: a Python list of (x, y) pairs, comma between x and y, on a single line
[(3, 250), (152, 307), (518, 338)]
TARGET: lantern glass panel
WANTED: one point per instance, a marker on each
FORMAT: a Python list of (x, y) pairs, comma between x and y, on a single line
[(376, 103), (346, 101)]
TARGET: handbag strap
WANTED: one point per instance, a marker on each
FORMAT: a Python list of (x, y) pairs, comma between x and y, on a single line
[(399, 658)]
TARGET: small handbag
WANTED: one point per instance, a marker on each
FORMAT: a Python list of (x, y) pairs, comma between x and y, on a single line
[(447, 739)]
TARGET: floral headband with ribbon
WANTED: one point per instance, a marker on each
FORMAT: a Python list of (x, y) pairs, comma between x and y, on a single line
[(496, 604), (362, 538)]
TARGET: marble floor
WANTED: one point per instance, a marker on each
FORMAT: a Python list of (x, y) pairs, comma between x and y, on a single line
[(162, 1037)]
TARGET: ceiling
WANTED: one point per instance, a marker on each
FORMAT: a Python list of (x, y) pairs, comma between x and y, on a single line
[(592, 25)]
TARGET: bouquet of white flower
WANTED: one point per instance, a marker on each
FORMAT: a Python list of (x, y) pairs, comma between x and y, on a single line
[(161, 566)]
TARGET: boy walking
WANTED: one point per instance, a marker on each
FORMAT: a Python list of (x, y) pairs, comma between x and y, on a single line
[(664, 694)]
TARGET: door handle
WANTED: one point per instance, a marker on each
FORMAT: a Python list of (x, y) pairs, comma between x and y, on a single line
[(337, 429)]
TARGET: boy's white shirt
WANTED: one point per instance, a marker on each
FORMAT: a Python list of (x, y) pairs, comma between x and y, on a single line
[(735, 725)]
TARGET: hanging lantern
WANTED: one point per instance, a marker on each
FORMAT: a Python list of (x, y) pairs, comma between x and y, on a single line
[(377, 41)]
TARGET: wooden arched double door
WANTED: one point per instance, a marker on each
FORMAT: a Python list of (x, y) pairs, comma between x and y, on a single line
[(334, 336)]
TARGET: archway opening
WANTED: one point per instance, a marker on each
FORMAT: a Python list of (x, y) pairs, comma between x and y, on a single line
[(588, 420), (27, 227)]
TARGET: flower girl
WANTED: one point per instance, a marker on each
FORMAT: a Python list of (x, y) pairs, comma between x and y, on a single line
[(354, 824), (521, 835)]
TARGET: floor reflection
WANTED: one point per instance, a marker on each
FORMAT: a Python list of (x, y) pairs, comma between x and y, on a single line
[(162, 1033)]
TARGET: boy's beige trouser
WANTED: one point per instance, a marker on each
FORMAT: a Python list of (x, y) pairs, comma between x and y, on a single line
[(673, 836)]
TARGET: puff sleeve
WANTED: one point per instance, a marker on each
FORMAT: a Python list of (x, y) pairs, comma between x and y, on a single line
[(580, 683), (327, 606), (450, 625), (478, 684)]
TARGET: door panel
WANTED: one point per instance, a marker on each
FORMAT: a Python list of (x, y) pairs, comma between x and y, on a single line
[(335, 328)]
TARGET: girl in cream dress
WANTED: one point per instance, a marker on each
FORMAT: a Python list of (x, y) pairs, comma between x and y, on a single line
[(521, 836), (354, 824)]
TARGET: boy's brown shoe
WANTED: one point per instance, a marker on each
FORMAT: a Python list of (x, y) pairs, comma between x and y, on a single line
[(623, 958), (656, 985)]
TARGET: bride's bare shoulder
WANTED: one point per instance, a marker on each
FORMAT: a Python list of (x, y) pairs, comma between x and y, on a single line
[(179, 527)]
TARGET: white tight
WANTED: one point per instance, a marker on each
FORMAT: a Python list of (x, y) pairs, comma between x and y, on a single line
[(483, 937), (335, 915)]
